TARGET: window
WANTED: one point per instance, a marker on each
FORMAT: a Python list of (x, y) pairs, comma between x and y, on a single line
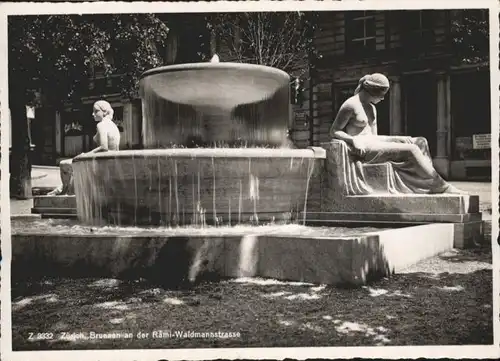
[(420, 26), (361, 34)]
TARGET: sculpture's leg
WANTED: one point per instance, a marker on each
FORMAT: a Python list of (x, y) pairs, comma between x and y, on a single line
[(67, 176), (394, 138), (421, 142), (418, 163), (423, 145), (66, 173)]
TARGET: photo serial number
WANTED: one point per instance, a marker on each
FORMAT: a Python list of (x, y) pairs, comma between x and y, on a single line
[(36, 336)]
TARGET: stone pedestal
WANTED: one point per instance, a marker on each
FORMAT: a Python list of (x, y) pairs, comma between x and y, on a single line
[(333, 202), (170, 258), (55, 206), (329, 201)]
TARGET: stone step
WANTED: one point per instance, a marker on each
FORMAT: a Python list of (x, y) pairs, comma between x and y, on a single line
[(353, 259), (60, 210), (56, 215), (386, 217), (41, 191)]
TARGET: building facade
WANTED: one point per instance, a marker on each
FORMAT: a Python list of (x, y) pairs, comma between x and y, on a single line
[(432, 94)]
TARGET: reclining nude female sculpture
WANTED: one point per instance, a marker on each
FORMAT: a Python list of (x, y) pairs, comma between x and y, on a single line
[(106, 138), (356, 125)]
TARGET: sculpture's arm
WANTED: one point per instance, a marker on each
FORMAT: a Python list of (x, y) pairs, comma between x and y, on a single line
[(374, 124), (340, 122)]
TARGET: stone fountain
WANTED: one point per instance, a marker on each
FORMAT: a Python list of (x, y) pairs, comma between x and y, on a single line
[(217, 153), (209, 158)]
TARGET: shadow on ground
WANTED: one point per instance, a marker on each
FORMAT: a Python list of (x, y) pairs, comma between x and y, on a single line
[(445, 300)]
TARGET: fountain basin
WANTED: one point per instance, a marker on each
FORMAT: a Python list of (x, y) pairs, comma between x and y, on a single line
[(323, 255), (203, 104), (181, 186)]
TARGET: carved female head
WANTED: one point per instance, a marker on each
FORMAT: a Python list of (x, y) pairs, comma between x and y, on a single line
[(375, 85), (102, 110)]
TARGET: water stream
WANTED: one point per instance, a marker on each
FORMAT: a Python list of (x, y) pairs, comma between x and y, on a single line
[(167, 189)]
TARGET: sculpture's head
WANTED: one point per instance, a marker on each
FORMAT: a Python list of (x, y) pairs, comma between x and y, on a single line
[(375, 86), (102, 109)]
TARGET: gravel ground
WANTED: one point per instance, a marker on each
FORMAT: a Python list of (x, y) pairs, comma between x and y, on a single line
[(446, 300)]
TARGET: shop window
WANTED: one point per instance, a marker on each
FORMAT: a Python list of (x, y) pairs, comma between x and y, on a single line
[(73, 133), (471, 115)]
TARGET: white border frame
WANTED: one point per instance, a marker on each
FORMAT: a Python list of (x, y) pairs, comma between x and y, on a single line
[(389, 352)]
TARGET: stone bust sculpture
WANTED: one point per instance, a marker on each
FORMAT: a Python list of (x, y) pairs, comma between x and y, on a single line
[(108, 134), (356, 125), (106, 138)]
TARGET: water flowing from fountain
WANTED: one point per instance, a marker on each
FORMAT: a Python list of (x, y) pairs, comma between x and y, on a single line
[(247, 263), (244, 106), (178, 188)]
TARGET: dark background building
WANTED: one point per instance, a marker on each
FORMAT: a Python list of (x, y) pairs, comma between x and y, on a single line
[(435, 93)]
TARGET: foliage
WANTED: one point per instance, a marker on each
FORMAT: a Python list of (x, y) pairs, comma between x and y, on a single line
[(58, 53), (471, 36), (279, 39)]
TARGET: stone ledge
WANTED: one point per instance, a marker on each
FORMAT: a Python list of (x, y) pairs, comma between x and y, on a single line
[(348, 260), (53, 210), (54, 201), (415, 203), (405, 218), (466, 234)]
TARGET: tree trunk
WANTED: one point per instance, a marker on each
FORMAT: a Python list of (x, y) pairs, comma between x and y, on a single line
[(20, 162)]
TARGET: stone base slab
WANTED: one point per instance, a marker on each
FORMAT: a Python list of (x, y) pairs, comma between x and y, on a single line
[(55, 206), (415, 203), (54, 202), (171, 260), (391, 218), (468, 229)]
